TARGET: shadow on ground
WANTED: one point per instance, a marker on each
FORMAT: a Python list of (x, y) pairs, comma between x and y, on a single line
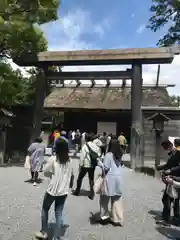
[(40, 180), (146, 170), (94, 218), (63, 231), (156, 214), (169, 233), (12, 164)]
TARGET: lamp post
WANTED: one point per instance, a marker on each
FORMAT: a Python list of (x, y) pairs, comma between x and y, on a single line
[(158, 127)]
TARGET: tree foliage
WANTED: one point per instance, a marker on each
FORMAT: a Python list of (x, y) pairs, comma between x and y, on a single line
[(175, 100), (14, 87), (166, 13), (21, 38), (20, 35)]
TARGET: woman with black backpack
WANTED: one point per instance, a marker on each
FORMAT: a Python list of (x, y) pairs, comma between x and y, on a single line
[(89, 155)]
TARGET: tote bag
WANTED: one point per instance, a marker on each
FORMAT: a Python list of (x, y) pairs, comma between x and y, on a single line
[(98, 184), (27, 163)]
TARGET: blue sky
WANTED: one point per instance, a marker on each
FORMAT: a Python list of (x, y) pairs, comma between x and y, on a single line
[(102, 24), (120, 23)]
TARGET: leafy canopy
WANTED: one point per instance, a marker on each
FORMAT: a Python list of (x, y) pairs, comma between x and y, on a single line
[(21, 38), (175, 100), (14, 87), (20, 35), (166, 13)]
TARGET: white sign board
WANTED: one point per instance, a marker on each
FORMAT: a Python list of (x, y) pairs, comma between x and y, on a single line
[(108, 127)]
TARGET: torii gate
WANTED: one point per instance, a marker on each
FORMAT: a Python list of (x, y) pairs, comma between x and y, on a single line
[(135, 57)]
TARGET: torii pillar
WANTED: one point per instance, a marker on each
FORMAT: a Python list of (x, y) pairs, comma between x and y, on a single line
[(137, 120)]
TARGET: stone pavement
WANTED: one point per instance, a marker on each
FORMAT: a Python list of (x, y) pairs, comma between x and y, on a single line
[(20, 206)]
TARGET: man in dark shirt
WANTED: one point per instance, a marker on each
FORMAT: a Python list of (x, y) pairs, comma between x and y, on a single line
[(172, 167)]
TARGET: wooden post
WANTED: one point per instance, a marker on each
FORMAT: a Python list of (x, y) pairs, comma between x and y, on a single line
[(158, 149), (2, 146), (136, 128), (39, 103)]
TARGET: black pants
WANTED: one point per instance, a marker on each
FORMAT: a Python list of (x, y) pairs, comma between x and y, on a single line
[(167, 201), (34, 176), (103, 150), (82, 173)]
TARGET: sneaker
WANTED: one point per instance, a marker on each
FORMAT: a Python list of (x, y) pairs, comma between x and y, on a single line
[(41, 235), (163, 222), (75, 193), (34, 184)]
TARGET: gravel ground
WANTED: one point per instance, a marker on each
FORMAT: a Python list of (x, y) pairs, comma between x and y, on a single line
[(20, 206)]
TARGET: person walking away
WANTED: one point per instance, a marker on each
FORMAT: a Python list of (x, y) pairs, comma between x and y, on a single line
[(122, 142), (36, 153), (170, 168), (78, 141), (88, 161), (83, 139), (98, 142), (74, 141), (112, 185), (70, 139), (108, 140), (103, 139), (60, 169)]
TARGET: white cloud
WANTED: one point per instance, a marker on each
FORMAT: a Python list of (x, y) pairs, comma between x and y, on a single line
[(68, 34), (141, 28)]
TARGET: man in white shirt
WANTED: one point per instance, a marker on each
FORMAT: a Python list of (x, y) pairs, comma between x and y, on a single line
[(89, 156)]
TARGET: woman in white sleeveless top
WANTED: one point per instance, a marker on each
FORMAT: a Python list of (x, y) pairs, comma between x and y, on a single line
[(60, 169)]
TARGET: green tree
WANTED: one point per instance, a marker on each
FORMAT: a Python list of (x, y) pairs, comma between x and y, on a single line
[(14, 87), (22, 38), (166, 13), (175, 100), (20, 35)]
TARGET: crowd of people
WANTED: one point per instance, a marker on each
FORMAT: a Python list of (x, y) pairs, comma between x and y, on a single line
[(103, 151)]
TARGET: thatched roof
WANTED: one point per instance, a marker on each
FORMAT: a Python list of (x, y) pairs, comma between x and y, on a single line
[(104, 98)]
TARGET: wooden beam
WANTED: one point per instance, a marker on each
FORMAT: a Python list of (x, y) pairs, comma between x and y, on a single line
[(100, 57), (88, 75), (58, 83)]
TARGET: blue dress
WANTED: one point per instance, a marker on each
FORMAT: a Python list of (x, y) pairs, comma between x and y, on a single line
[(112, 181), (36, 152)]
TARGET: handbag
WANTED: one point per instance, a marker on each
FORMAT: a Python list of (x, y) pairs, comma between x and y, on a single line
[(98, 184), (27, 162), (172, 191)]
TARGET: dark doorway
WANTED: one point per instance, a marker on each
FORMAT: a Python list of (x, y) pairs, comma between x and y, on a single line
[(87, 121)]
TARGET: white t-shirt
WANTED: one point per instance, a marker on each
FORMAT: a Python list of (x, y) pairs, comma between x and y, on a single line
[(60, 176)]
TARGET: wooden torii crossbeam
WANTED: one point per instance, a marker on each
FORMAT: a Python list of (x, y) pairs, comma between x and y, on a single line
[(89, 75), (59, 78), (102, 57)]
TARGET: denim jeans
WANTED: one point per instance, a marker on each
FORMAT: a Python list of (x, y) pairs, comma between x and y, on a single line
[(59, 205)]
